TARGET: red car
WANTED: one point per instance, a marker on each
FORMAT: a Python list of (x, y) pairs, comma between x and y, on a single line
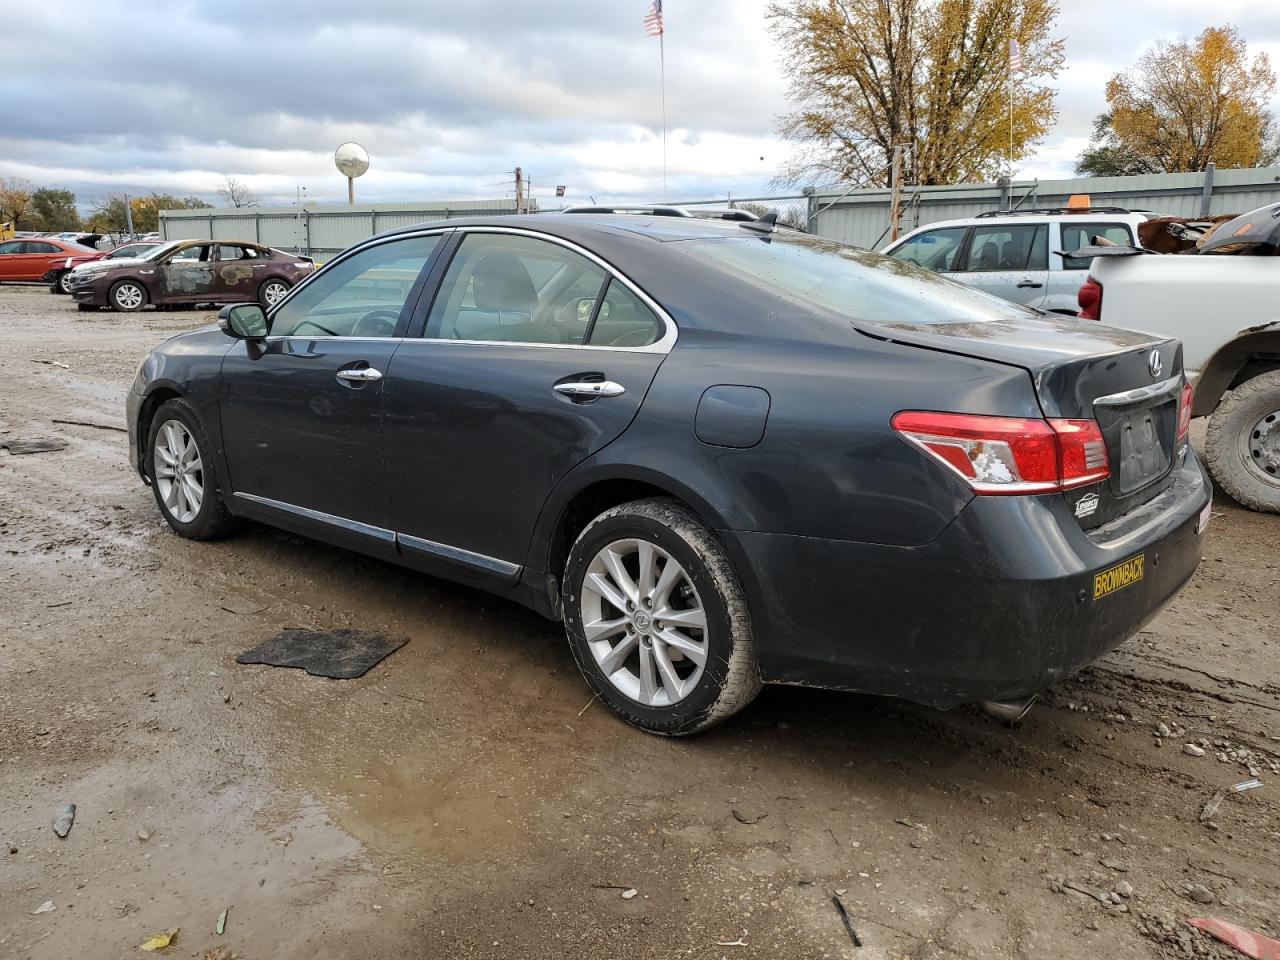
[(42, 258)]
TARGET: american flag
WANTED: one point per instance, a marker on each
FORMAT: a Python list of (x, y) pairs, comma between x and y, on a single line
[(653, 19), (1015, 56)]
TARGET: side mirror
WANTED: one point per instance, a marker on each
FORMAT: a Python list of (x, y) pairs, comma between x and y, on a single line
[(243, 321)]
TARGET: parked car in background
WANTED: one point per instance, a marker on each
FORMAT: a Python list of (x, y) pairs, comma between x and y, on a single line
[(190, 272), (41, 258), (61, 280), (1223, 303), (1016, 255), (723, 453)]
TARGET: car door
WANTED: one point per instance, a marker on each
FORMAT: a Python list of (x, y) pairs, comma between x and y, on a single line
[(1009, 260), (185, 276), (301, 412), (11, 262), (1068, 273), (234, 277), (37, 258), (534, 356)]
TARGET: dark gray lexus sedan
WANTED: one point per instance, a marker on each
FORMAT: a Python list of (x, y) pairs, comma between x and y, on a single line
[(723, 454)]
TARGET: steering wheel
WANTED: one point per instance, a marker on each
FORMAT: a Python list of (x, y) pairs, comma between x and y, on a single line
[(381, 323), (320, 327)]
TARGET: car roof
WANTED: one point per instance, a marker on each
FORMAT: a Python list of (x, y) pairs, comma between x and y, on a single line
[(581, 226)]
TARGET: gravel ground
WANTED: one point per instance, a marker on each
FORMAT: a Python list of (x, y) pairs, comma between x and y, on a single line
[(464, 799)]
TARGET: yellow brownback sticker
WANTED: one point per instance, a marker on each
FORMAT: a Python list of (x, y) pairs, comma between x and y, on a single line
[(1118, 577)]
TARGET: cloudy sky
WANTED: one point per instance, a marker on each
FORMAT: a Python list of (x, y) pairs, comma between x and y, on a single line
[(106, 96)]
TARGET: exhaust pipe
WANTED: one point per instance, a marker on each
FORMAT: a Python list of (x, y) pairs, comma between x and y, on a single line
[(1010, 712)]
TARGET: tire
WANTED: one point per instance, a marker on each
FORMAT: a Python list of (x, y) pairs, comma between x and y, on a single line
[(272, 292), (208, 519), (697, 696), (61, 284), (127, 296), (1242, 446)]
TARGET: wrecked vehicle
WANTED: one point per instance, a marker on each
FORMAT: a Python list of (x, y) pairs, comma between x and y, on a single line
[(42, 258), (1222, 300), (189, 272), (723, 454)]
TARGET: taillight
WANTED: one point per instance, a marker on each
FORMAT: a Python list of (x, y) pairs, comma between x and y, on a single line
[(1008, 455), (1090, 299), (1184, 412)]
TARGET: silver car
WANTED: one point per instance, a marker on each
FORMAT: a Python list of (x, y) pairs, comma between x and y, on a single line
[(1016, 255)]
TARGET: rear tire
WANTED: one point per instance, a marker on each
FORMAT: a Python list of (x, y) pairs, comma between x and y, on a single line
[(127, 296), (1242, 446), (61, 283), (272, 292), (183, 477), (695, 676)]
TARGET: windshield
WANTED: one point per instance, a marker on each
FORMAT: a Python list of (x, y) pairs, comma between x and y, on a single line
[(853, 283), (157, 252)]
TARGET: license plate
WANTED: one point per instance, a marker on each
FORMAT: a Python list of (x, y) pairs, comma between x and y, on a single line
[(1143, 457), (1122, 575)]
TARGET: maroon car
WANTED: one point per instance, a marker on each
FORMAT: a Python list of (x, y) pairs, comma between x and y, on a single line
[(190, 272)]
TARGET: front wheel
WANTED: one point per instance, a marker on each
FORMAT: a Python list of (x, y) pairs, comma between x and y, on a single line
[(128, 296), (657, 620), (1242, 445), (272, 292), (183, 478)]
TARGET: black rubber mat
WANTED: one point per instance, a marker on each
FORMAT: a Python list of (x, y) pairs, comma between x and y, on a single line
[(338, 654)]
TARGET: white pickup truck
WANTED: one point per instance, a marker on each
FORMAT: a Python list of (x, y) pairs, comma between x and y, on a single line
[(1226, 311)]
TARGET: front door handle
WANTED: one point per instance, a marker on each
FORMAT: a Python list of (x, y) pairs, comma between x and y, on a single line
[(359, 376), (590, 388), (1030, 284)]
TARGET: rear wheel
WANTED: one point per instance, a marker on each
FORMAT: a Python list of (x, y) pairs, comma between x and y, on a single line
[(1243, 443), (272, 292), (183, 478), (127, 296), (657, 620), (61, 283)]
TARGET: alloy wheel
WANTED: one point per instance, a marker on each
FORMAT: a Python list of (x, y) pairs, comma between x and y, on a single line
[(64, 282), (1263, 448), (274, 292), (179, 471), (644, 622), (129, 296)]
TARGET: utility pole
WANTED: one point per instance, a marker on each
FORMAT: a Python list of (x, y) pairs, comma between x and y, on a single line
[(895, 202), (519, 191), (128, 215)]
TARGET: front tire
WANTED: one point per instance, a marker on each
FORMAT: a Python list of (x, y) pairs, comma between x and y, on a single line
[(127, 296), (183, 476), (1242, 445), (657, 620)]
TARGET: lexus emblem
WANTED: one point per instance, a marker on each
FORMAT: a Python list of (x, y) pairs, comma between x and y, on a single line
[(1155, 364)]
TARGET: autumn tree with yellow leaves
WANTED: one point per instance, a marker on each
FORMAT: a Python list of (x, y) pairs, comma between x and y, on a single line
[(1185, 104), (929, 75)]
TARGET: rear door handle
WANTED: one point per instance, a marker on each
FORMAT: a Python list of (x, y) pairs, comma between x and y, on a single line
[(590, 388), (1032, 284), (359, 376)]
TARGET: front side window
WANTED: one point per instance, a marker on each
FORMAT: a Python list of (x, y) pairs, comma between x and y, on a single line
[(11, 246), (934, 249), (1010, 247), (189, 254), (359, 296), (1077, 235), (515, 289)]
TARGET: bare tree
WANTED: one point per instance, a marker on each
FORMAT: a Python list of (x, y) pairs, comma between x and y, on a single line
[(238, 194)]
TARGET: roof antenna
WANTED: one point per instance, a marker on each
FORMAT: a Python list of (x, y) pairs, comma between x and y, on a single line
[(766, 224)]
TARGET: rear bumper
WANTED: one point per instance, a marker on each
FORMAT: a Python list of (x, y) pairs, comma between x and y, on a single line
[(1000, 605)]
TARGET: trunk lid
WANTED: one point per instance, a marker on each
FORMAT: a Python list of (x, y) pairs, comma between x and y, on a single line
[(1129, 382)]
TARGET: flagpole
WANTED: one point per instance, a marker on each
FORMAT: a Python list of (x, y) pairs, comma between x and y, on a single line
[(662, 64)]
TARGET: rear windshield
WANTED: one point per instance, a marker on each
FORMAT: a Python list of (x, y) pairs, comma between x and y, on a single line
[(853, 283)]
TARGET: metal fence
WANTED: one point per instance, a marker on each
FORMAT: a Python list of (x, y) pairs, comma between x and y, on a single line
[(313, 229), (861, 217)]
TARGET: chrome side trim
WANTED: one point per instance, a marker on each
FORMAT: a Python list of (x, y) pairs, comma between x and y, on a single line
[(458, 555), (352, 526), (1140, 393), (662, 345)]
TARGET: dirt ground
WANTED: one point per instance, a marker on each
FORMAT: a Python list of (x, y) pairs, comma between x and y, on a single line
[(464, 799)]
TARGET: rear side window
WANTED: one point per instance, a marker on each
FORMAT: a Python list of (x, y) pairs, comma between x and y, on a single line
[(1009, 247), (934, 249), (847, 282), (1077, 235), (226, 252)]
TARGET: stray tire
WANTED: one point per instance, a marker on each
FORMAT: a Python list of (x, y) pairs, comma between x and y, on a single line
[(657, 620), (61, 283), (1243, 443), (127, 296), (272, 292), (182, 474)]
